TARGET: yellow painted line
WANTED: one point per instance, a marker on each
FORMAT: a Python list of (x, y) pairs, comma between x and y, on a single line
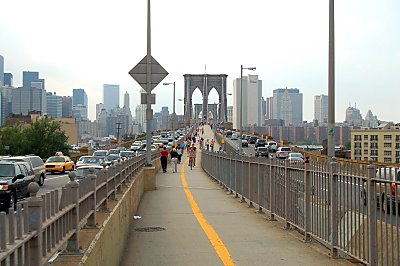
[(212, 235)]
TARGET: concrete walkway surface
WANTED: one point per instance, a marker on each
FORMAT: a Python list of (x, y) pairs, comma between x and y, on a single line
[(169, 233)]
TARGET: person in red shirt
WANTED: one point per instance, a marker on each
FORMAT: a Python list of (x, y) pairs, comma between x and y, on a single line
[(164, 159)]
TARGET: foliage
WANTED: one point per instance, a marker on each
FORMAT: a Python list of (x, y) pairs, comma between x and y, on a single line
[(43, 138)]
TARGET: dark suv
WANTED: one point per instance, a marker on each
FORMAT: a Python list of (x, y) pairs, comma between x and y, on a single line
[(14, 180), (260, 143)]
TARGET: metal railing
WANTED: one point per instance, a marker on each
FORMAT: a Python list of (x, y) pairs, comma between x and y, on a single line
[(351, 210), (40, 226)]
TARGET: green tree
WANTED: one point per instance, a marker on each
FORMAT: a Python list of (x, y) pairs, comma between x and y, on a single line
[(14, 139), (46, 137)]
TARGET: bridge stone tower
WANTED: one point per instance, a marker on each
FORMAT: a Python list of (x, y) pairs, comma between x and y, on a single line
[(205, 83)]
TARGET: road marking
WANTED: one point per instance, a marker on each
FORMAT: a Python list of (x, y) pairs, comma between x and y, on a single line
[(212, 235), (55, 177)]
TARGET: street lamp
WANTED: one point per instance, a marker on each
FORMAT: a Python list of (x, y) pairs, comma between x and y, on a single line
[(173, 110), (184, 120), (241, 104)]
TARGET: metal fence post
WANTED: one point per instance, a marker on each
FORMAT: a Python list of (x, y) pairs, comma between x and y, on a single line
[(272, 169), (287, 192), (334, 207), (35, 206), (259, 187), (92, 220), (371, 205), (104, 172), (242, 200), (307, 201), (230, 173), (73, 242)]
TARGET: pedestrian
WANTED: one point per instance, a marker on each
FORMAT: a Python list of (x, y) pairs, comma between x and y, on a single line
[(174, 160), (179, 151), (207, 145), (194, 152), (164, 159), (212, 145)]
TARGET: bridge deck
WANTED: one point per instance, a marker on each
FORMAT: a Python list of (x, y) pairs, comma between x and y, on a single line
[(222, 231)]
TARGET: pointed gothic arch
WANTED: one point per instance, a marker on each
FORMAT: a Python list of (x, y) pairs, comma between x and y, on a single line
[(206, 82)]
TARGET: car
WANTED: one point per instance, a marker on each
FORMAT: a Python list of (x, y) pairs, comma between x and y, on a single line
[(127, 154), (272, 146), (100, 153), (283, 152), (245, 143), (229, 133), (234, 136), (262, 152), (36, 163), (260, 143), (84, 171), (112, 158), (90, 160), (59, 164), (252, 140), (137, 145), (113, 151), (15, 176), (296, 158)]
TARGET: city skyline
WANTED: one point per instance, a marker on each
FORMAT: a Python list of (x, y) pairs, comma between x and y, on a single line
[(287, 53)]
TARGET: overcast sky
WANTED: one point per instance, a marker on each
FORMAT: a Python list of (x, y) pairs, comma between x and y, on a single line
[(85, 44)]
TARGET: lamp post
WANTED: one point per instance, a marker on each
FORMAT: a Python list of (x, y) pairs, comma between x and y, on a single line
[(184, 120), (241, 104), (331, 82), (173, 110)]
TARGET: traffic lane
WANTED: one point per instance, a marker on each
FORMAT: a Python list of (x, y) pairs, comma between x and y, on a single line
[(247, 150), (53, 182)]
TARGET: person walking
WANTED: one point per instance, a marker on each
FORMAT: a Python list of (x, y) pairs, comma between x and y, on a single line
[(179, 151), (207, 145), (174, 160), (164, 159), (212, 145)]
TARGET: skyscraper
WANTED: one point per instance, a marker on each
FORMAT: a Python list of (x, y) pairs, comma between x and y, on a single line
[(54, 105), (8, 79), (99, 107), (252, 101), (1, 70), (321, 109), (110, 96), (28, 77), (6, 103), (79, 97), (26, 99), (67, 106), (353, 116), (127, 109), (287, 104), (79, 105)]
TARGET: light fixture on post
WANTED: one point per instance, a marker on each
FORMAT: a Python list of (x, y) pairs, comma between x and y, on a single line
[(173, 110), (241, 104)]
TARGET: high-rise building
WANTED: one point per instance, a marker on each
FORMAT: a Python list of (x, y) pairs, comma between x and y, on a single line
[(287, 104), (6, 103), (110, 96), (321, 109), (252, 105), (8, 79), (27, 99), (1, 70), (79, 97), (140, 116), (353, 116), (102, 123), (127, 109), (54, 105), (269, 108), (263, 110), (371, 120), (229, 114), (165, 117), (66, 106), (28, 77), (99, 108)]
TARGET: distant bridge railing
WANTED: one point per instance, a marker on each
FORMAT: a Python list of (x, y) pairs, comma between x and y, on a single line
[(43, 225), (351, 210)]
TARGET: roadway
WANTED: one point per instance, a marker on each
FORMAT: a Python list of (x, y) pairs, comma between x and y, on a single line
[(53, 181)]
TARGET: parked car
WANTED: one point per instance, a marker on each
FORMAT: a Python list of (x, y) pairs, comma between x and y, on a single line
[(260, 143), (262, 152), (14, 180), (283, 152), (36, 163), (245, 143), (59, 164)]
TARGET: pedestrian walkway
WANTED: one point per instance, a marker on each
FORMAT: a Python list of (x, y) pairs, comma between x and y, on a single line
[(191, 220)]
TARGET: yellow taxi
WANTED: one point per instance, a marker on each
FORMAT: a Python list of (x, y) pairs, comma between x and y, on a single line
[(59, 163)]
